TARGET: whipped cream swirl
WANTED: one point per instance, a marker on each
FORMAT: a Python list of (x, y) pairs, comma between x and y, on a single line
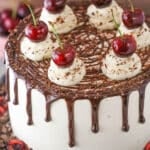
[(67, 76), (141, 34), (38, 51), (101, 18), (121, 68), (63, 21)]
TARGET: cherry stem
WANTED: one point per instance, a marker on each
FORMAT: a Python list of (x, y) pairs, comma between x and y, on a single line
[(56, 35), (27, 3), (116, 24), (131, 4)]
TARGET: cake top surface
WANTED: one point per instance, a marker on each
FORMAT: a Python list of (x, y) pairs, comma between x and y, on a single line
[(92, 46)]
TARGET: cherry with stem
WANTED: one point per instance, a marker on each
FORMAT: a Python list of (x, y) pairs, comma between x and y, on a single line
[(56, 35), (116, 24), (131, 5), (36, 31), (124, 45), (133, 17), (64, 55)]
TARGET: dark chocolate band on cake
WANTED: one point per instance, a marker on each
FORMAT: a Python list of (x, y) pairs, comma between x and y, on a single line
[(95, 85)]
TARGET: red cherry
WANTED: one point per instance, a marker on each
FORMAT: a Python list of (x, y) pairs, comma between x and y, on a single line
[(147, 147), (133, 19), (3, 106), (10, 23), (54, 6), (63, 57), (6, 13), (15, 144), (3, 30), (2, 111), (22, 11), (124, 45), (36, 32), (101, 3)]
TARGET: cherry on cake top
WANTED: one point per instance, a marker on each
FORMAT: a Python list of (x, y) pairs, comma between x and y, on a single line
[(64, 57), (134, 17), (54, 6), (101, 3), (124, 46), (37, 30)]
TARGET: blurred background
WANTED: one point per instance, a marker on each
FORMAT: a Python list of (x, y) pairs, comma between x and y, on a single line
[(145, 4)]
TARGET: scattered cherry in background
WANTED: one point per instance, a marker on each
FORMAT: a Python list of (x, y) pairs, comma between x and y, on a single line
[(3, 30), (15, 144), (3, 106), (10, 23), (22, 11), (147, 147), (6, 13)]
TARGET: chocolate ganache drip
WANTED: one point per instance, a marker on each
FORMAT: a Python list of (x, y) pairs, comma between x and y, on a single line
[(70, 107), (29, 106), (95, 121), (16, 91), (125, 102), (48, 109), (141, 103)]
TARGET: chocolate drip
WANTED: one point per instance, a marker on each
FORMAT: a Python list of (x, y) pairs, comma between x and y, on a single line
[(70, 107), (95, 120), (29, 106), (16, 92), (7, 84), (48, 109), (125, 102), (141, 103)]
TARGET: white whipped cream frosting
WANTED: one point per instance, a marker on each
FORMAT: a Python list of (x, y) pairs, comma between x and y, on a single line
[(102, 18), (67, 76), (37, 51), (63, 21), (141, 34), (118, 68)]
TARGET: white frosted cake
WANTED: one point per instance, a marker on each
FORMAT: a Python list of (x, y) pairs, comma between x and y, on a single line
[(86, 97)]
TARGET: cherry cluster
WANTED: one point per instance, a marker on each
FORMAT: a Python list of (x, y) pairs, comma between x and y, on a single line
[(10, 18)]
